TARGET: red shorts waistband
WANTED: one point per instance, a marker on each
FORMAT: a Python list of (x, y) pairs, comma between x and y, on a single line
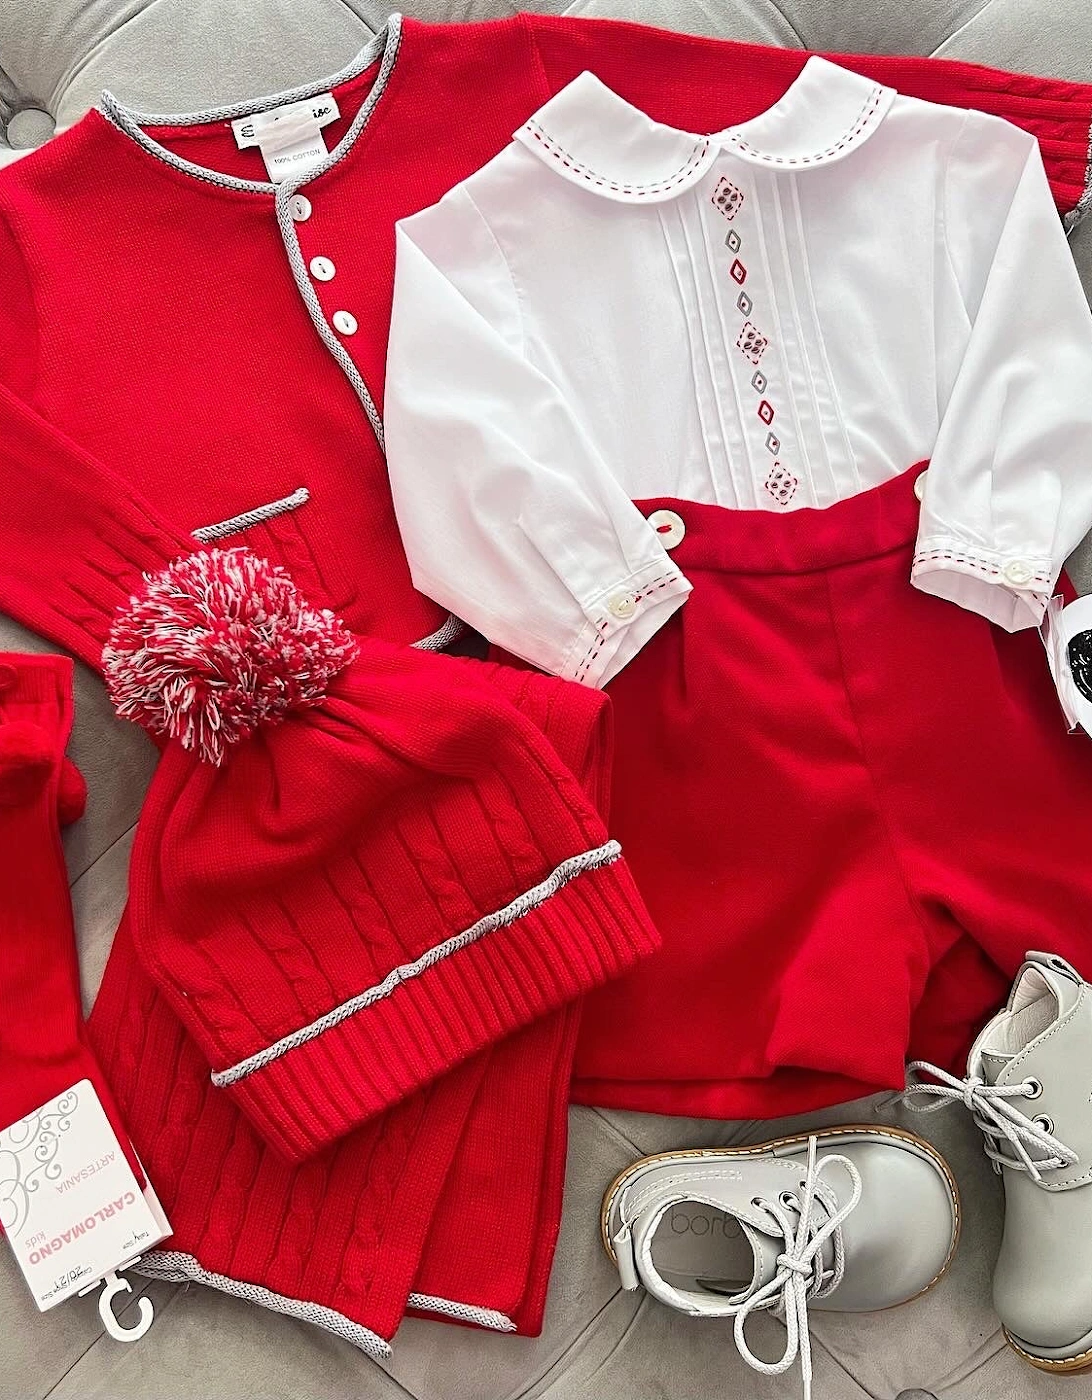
[(873, 522)]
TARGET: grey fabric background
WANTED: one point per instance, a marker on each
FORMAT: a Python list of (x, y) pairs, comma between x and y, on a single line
[(599, 1343)]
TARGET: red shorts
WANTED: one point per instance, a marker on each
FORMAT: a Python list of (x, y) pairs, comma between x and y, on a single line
[(851, 808)]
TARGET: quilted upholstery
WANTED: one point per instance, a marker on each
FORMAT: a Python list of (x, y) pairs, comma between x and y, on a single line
[(599, 1343)]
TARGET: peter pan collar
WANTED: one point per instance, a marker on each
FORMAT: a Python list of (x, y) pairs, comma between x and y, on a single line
[(595, 138)]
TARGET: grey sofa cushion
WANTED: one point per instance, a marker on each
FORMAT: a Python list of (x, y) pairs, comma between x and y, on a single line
[(599, 1343)]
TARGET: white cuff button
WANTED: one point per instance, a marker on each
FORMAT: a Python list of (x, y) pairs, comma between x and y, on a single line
[(345, 322), (622, 605), (1018, 572), (322, 269), (299, 206), (919, 486), (669, 527)]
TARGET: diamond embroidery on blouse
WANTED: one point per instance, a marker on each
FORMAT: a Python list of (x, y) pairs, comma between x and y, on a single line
[(752, 342), (773, 443), (744, 302), (781, 484), (733, 240), (758, 379), (765, 412), (738, 272), (727, 197)]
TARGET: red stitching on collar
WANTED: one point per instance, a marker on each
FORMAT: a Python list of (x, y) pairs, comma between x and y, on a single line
[(867, 112), (593, 177)]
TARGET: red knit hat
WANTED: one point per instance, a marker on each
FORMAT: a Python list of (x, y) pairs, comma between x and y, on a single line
[(360, 863)]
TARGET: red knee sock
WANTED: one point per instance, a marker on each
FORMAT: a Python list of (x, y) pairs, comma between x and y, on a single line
[(42, 1046), (493, 1236)]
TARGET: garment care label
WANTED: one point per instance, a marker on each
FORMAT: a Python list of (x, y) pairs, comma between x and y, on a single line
[(289, 137), (69, 1203)]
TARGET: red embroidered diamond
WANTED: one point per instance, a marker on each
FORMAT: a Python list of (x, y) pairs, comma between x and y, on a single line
[(765, 412), (752, 342), (781, 484), (739, 272), (727, 197)]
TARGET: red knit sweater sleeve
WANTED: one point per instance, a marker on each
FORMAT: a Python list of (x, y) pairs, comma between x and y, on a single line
[(74, 538)]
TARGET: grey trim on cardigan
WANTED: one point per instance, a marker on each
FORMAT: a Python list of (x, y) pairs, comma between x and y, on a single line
[(236, 524), (385, 46), (132, 122), (523, 904), (175, 1267), (448, 632)]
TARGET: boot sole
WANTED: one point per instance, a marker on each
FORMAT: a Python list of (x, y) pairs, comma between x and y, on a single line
[(899, 1134), (1055, 1366)]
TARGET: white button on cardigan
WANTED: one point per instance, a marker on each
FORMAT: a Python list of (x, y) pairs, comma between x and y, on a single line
[(776, 316)]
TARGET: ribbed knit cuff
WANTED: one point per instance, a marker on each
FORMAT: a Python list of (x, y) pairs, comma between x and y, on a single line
[(582, 926), (36, 686)]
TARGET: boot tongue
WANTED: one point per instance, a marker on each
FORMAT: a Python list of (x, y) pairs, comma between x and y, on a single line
[(993, 1062), (767, 1249), (1041, 994)]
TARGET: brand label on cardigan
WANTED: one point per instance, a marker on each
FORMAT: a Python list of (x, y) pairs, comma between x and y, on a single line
[(69, 1203), (289, 137)]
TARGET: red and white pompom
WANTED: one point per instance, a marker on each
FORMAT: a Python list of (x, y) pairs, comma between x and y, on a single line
[(218, 644)]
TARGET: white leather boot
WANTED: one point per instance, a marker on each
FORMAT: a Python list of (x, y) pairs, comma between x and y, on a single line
[(848, 1219), (1029, 1086)]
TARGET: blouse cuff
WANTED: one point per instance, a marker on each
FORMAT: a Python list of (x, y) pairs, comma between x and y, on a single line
[(621, 620), (1008, 589)]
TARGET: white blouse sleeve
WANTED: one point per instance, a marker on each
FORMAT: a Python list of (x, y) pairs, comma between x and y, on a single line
[(1008, 494), (509, 515)]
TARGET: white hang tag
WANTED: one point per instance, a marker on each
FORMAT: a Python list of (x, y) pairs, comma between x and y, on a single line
[(71, 1208), (1061, 623), (289, 137)]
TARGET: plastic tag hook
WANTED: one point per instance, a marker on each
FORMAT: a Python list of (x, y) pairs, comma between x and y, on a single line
[(113, 1285)]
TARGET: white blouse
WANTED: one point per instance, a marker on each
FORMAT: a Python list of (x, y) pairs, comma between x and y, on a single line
[(780, 315)]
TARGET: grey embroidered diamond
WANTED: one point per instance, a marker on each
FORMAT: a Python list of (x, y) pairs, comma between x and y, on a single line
[(733, 240), (773, 443), (744, 302), (758, 381)]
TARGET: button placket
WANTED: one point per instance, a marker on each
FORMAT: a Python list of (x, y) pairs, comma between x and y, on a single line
[(331, 327), (322, 269)]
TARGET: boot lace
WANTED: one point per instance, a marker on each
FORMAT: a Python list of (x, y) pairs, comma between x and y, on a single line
[(1011, 1136), (800, 1275)]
